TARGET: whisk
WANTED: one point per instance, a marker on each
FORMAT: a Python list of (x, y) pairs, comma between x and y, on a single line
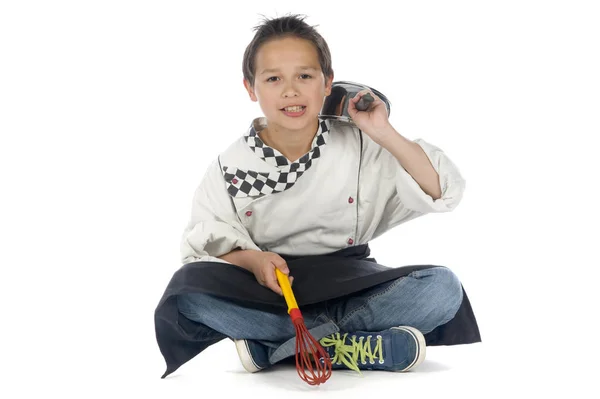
[(308, 349)]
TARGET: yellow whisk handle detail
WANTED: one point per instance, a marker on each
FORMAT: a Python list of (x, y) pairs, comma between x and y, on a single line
[(286, 287)]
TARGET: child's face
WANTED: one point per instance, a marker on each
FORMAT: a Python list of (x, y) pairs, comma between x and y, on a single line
[(288, 73)]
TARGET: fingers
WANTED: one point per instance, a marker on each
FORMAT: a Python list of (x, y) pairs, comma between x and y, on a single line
[(271, 282), (279, 290), (266, 275), (281, 265), (352, 104)]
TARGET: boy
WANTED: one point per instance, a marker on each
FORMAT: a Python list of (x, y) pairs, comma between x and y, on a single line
[(301, 190)]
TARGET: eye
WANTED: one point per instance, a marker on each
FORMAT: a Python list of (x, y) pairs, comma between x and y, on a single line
[(272, 77), (308, 76)]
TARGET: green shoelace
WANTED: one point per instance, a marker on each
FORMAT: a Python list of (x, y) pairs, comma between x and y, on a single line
[(348, 354)]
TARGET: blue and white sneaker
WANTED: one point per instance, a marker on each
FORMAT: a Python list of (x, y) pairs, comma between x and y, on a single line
[(253, 355), (397, 349)]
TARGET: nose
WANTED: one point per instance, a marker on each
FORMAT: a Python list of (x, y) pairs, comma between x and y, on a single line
[(290, 90)]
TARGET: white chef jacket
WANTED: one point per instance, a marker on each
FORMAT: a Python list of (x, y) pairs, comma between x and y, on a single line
[(354, 192)]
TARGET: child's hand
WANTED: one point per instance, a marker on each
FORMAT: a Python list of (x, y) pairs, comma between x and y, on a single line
[(263, 267), (374, 120)]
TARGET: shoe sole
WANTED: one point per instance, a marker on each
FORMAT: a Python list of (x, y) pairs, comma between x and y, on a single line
[(421, 346), (244, 353)]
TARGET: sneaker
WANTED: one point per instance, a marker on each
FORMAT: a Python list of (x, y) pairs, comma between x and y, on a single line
[(253, 355), (396, 349)]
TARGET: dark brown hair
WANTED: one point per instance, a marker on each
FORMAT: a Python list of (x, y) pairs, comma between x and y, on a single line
[(278, 28)]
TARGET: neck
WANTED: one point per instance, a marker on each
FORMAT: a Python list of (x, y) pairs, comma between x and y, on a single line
[(293, 144)]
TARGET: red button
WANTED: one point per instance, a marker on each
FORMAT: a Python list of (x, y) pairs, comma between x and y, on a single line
[(350, 241), (234, 181), (350, 200), (249, 213)]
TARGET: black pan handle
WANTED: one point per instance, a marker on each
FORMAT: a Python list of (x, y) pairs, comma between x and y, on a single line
[(364, 102)]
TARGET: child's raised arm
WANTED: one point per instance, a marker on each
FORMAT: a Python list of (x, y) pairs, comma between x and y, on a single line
[(398, 193)]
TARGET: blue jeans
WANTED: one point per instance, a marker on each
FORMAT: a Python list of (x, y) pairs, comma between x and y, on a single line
[(424, 299)]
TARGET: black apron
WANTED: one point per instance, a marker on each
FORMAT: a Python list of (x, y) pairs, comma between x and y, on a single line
[(316, 279)]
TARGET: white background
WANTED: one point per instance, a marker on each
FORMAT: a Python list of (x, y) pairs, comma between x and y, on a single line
[(110, 111)]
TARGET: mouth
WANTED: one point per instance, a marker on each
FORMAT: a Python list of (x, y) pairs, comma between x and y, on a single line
[(294, 110)]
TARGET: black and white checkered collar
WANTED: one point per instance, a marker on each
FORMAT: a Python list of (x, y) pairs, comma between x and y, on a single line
[(248, 183)]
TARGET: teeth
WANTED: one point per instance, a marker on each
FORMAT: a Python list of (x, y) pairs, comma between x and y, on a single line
[(295, 108)]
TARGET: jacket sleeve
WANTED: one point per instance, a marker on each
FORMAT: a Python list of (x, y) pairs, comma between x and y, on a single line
[(406, 199), (451, 182), (214, 228)]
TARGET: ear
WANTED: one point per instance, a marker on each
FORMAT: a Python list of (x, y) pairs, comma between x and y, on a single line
[(328, 84), (250, 90)]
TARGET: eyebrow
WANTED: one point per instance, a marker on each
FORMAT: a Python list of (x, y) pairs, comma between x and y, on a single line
[(304, 68)]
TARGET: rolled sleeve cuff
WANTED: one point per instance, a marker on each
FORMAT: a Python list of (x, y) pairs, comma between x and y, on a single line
[(451, 182), (209, 240)]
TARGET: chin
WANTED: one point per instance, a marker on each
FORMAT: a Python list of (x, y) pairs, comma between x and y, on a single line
[(299, 125)]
